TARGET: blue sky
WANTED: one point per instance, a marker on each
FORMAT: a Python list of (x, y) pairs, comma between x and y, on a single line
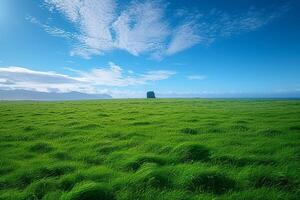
[(176, 48)]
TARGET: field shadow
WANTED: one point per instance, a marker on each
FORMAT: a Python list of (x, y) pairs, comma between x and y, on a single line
[(240, 128), (41, 147), (241, 162), (295, 128), (271, 132), (28, 128), (281, 182), (88, 126), (142, 123), (189, 131), (23, 178), (210, 182), (103, 115), (61, 156), (215, 130)]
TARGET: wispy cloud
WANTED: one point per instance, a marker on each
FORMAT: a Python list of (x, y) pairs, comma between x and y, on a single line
[(184, 37), (90, 81), (51, 30), (196, 77), (138, 29), (205, 28), (114, 75), (142, 27)]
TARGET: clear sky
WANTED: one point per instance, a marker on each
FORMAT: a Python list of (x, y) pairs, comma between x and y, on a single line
[(177, 48)]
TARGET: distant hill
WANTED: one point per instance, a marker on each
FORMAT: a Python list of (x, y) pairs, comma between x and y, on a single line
[(48, 96)]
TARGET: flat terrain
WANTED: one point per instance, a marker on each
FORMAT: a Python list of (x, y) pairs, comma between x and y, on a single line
[(150, 149)]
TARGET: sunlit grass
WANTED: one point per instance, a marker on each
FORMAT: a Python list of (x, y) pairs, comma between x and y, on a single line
[(150, 149)]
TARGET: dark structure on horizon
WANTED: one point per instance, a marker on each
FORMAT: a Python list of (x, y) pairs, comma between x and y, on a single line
[(150, 95)]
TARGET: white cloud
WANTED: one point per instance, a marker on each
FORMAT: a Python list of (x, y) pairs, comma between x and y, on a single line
[(23, 78), (19, 74), (92, 81), (143, 26), (196, 77), (137, 29), (205, 28), (140, 28), (68, 7), (184, 37), (93, 19), (54, 31)]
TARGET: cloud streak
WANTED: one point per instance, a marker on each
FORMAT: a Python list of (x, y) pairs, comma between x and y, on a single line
[(89, 82), (54, 31), (142, 27), (196, 77), (184, 37)]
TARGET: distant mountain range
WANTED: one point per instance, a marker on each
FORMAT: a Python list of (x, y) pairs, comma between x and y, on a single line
[(48, 96)]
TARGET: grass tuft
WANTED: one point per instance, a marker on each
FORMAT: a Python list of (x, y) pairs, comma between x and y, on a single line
[(154, 177), (138, 161), (190, 152), (211, 182), (265, 179), (55, 170), (68, 181), (39, 189), (89, 191)]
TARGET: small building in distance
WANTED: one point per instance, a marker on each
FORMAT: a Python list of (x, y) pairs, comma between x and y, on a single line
[(150, 95)]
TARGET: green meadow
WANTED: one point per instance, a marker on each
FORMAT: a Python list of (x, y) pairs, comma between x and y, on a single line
[(170, 149)]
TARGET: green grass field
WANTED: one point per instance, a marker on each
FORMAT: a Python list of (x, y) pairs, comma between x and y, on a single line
[(150, 149)]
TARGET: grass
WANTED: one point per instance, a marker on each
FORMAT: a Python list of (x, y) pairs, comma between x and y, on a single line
[(176, 149)]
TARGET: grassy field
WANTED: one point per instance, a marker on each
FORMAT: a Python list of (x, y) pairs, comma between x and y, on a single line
[(150, 149)]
